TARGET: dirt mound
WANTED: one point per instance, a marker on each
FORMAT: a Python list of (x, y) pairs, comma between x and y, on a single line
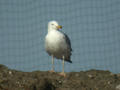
[(43, 80)]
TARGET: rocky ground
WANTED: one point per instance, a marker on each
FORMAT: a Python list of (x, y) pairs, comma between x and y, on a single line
[(44, 80)]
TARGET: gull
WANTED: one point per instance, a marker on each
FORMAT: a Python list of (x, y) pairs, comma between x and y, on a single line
[(57, 44)]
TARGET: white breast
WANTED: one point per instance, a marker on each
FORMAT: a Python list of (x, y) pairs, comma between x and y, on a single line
[(55, 41), (54, 37)]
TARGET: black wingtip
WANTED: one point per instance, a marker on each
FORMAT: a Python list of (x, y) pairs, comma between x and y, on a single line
[(70, 61)]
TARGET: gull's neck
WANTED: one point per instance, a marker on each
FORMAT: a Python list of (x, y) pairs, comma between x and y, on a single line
[(50, 29)]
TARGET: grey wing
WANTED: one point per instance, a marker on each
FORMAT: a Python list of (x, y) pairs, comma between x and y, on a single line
[(68, 41), (69, 48)]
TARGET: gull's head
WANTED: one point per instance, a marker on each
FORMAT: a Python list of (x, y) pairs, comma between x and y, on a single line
[(53, 25)]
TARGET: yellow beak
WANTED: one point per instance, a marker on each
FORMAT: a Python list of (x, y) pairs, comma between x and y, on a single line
[(59, 27)]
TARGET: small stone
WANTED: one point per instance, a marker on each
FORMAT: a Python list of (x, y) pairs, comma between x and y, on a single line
[(10, 72), (118, 87), (77, 75), (90, 76), (109, 82), (60, 82)]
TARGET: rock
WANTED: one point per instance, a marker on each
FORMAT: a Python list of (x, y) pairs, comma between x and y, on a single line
[(43, 80)]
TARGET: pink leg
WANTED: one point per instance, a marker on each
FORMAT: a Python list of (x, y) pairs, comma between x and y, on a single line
[(63, 73)]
